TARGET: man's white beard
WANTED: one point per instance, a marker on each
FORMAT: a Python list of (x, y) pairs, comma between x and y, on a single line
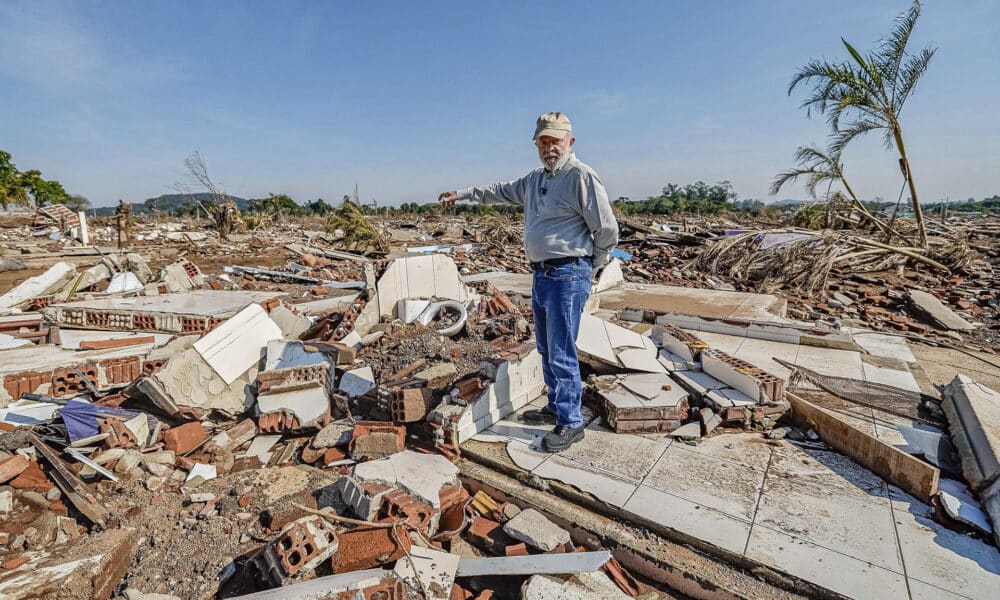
[(557, 163)]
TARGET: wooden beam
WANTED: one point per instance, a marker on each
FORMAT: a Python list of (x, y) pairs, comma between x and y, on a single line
[(908, 472)]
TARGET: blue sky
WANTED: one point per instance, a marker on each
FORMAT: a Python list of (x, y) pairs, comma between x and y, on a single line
[(407, 99)]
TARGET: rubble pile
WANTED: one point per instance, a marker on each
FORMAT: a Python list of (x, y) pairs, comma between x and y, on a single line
[(188, 428)]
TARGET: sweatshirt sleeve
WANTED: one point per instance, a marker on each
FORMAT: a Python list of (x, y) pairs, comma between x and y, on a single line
[(596, 211), (512, 192)]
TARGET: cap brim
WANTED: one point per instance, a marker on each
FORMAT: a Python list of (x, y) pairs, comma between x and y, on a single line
[(556, 133)]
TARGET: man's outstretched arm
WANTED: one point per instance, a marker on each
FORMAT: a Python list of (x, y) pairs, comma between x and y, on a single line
[(511, 192)]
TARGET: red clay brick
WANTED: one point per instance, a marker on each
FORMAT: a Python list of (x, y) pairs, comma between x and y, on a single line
[(12, 467), (367, 548), (184, 438), (29, 478), (15, 562)]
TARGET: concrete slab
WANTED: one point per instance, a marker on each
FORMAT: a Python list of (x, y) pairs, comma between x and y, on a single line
[(720, 484), (690, 518), (710, 304), (627, 456), (838, 572), (610, 488), (422, 475), (581, 586), (843, 522), (894, 377), (820, 472), (524, 456), (943, 558)]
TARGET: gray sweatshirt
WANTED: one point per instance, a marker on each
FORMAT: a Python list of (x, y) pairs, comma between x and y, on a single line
[(566, 213)]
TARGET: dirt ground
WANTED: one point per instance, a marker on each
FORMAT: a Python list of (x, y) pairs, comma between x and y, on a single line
[(942, 364)]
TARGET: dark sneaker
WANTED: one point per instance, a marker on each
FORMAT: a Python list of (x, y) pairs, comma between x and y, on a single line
[(539, 417), (562, 437)]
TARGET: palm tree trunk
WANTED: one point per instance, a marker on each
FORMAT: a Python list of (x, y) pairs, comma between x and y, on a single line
[(904, 165), (857, 203)]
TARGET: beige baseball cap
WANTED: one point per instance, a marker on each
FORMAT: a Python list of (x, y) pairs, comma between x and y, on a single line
[(553, 124)]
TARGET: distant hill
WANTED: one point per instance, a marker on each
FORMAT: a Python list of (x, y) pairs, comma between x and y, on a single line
[(167, 203)]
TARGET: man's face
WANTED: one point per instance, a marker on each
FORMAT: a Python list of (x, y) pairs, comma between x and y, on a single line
[(552, 151)]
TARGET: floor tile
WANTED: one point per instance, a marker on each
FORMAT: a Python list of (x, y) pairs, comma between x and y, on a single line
[(894, 377), (761, 353), (690, 518), (849, 576), (630, 456), (938, 556), (525, 456), (748, 449), (841, 522), (881, 344), (727, 343), (821, 472), (924, 591), (827, 361), (613, 489), (723, 485)]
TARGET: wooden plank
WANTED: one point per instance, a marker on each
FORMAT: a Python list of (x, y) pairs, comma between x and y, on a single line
[(908, 472)]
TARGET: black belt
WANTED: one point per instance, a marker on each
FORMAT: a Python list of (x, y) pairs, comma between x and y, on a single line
[(556, 262)]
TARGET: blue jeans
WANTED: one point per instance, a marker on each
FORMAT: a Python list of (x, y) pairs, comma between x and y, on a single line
[(557, 298)]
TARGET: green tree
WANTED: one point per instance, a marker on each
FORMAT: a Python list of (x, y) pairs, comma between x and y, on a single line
[(867, 93), (276, 204), (43, 191), (12, 192)]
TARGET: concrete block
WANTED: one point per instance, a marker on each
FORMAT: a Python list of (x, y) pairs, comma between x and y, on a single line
[(422, 475), (533, 528), (45, 284), (337, 433), (90, 568), (581, 586)]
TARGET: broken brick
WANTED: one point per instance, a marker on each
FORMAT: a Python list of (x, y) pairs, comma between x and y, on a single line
[(367, 548), (12, 467), (184, 438)]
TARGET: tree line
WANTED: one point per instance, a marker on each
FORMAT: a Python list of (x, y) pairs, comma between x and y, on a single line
[(31, 190)]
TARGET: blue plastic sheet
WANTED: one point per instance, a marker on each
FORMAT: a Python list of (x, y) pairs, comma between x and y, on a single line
[(81, 418)]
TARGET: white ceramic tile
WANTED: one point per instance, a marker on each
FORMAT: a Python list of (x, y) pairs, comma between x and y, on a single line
[(938, 556), (823, 473), (726, 486), (841, 363), (727, 343), (832, 519), (748, 449), (761, 353), (690, 518), (628, 456), (843, 574), (593, 339), (525, 456), (881, 344), (925, 591), (893, 377), (612, 489)]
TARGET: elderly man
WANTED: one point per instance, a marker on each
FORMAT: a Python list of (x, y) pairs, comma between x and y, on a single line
[(569, 230)]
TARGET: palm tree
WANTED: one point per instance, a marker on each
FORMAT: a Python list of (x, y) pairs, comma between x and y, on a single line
[(868, 94), (819, 167)]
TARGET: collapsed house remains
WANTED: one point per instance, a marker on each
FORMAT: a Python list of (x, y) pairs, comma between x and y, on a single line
[(331, 424)]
